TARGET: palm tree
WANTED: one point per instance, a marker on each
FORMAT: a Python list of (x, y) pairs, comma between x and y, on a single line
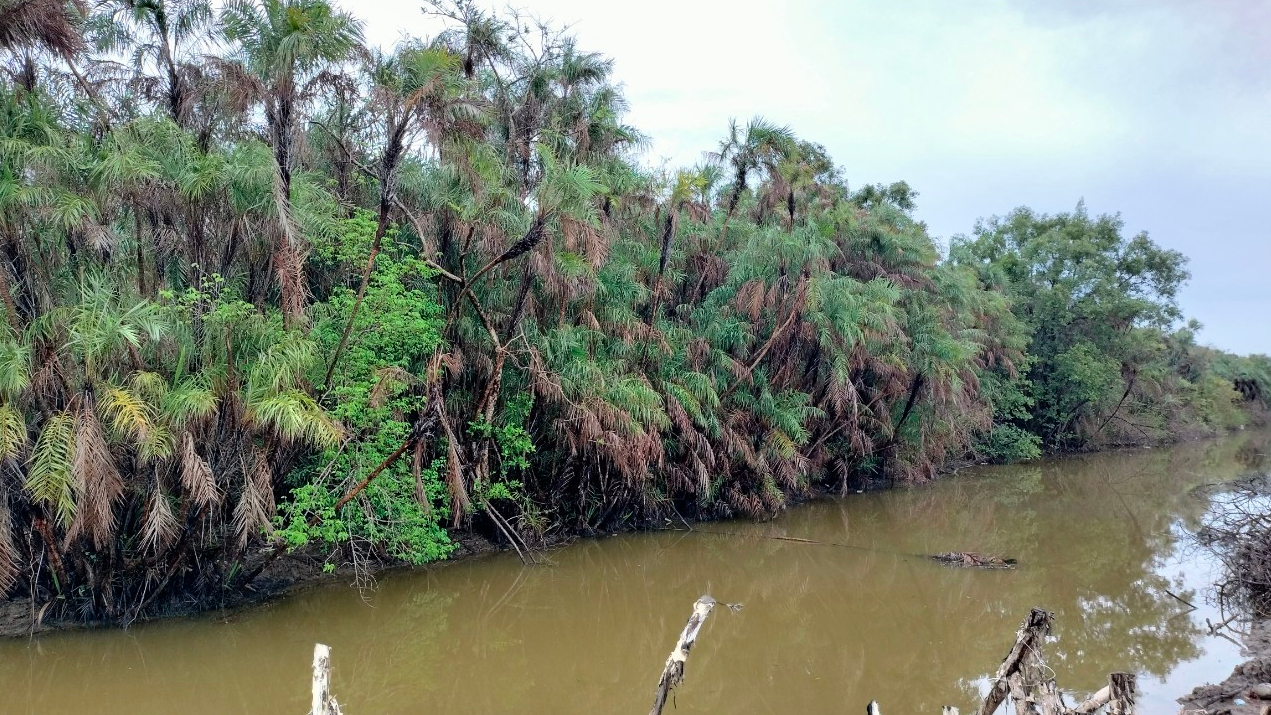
[(281, 48), (761, 144), (162, 32)]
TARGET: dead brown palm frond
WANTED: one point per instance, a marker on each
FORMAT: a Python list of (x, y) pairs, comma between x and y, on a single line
[(289, 263), (460, 501), (196, 476), (167, 242), (159, 526), (750, 298), (584, 239), (100, 237), (239, 87), (256, 505), (417, 471), (95, 478), (45, 382), (47, 24), (452, 361)]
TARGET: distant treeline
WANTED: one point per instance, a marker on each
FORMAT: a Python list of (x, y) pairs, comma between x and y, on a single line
[(264, 286)]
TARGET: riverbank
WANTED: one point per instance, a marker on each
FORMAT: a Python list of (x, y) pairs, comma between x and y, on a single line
[(1238, 533), (1247, 691), (306, 568)]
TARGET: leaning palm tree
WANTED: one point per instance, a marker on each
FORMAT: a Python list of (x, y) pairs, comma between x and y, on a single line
[(282, 46)]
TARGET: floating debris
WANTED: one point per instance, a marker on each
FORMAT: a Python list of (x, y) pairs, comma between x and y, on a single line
[(971, 559)]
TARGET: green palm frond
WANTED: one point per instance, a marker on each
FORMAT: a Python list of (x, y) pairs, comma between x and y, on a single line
[(127, 413), (15, 368), (13, 435), (49, 478), (282, 366), (189, 400), (158, 442), (295, 416)]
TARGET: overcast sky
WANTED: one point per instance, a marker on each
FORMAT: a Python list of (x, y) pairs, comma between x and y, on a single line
[(1157, 109)]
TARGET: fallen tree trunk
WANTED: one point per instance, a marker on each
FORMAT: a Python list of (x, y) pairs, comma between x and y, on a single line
[(1029, 637), (673, 672), (1024, 677)]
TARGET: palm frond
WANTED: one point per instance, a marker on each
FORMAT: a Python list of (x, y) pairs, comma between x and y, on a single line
[(49, 479), (13, 434)]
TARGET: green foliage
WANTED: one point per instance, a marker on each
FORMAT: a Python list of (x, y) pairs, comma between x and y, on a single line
[(372, 390), (1007, 443), (511, 438), (49, 477), (1096, 304)]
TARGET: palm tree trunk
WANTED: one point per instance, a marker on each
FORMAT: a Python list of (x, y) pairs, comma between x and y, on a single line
[(291, 283), (140, 256), (41, 526)]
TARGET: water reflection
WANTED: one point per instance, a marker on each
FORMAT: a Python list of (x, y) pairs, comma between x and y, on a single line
[(825, 627)]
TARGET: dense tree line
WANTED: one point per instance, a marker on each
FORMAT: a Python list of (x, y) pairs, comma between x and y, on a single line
[(265, 287)]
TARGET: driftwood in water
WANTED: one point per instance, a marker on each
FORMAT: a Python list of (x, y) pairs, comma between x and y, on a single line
[(1024, 677), (673, 672), (971, 559), (1028, 639), (1102, 697), (323, 702)]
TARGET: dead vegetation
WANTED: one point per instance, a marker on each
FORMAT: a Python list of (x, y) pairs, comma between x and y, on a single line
[(971, 559), (1238, 532)]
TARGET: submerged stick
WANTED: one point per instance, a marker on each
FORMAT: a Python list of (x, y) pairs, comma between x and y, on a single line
[(673, 673), (323, 703)]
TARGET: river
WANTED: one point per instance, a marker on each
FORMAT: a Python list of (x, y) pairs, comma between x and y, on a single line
[(1100, 540)]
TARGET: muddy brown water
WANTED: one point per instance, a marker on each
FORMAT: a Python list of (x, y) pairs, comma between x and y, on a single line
[(1100, 540)]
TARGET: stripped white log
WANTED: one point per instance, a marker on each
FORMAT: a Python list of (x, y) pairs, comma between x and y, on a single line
[(1022, 694), (323, 703), (1101, 697), (673, 672), (948, 710)]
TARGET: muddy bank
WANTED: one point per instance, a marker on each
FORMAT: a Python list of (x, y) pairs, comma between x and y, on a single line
[(290, 573), (1247, 691)]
